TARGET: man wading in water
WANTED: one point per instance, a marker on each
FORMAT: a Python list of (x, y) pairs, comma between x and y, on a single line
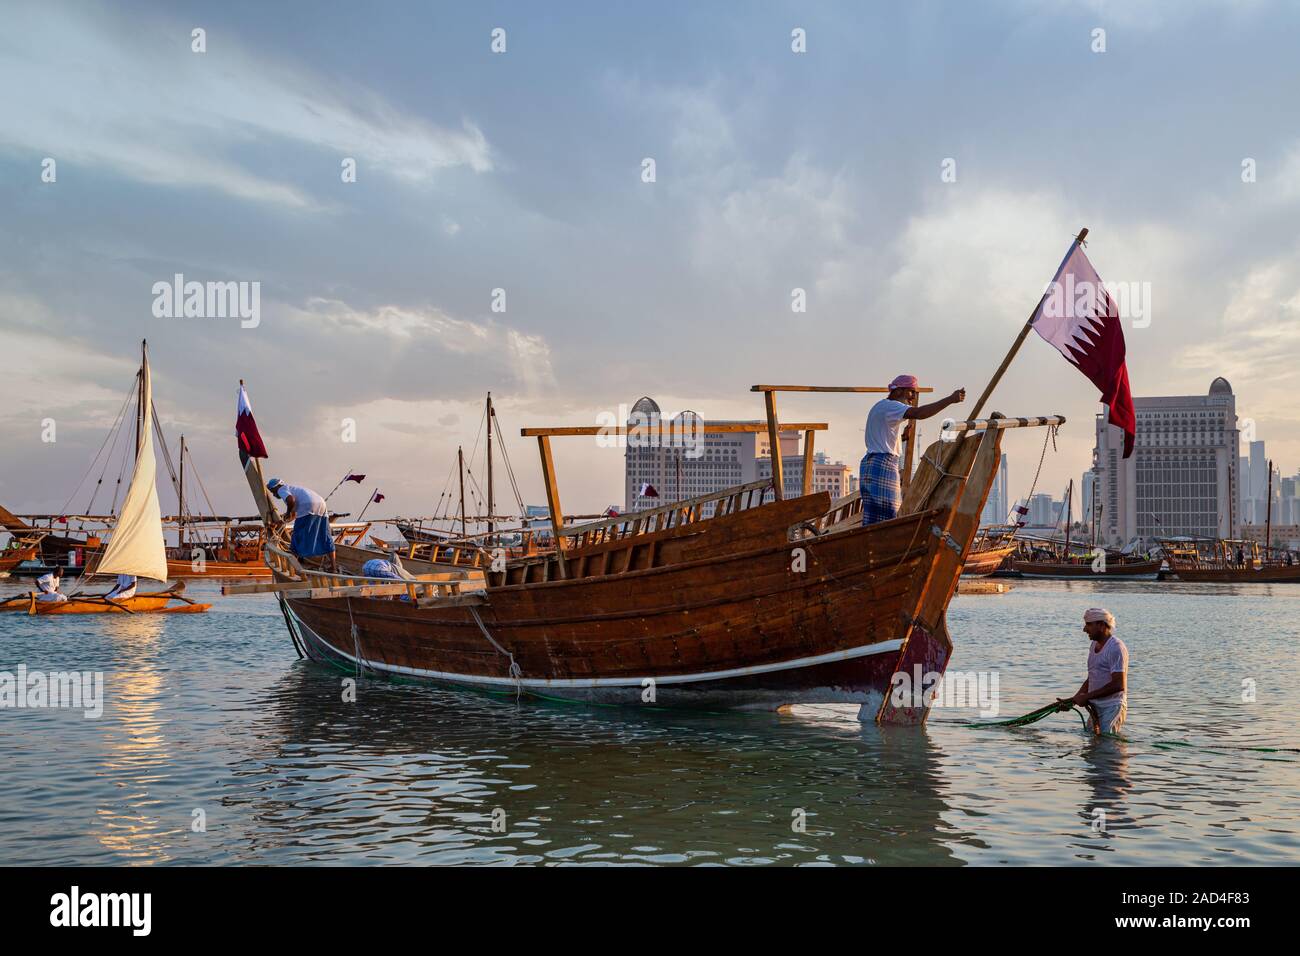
[(1106, 686), (878, 478)]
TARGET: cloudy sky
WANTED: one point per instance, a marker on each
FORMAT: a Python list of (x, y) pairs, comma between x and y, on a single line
[(522, 171)]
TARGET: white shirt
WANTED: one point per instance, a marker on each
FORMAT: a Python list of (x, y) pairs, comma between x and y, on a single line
[(309, 503), (124, 588), (884, 434), (1111, 659)]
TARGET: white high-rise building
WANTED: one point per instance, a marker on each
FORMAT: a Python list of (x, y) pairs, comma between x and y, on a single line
[(1184, 475), (998, 505), (725, 459)]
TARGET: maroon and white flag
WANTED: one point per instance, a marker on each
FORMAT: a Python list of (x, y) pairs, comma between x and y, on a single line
[(250, 441), (648, 491), (1078, 316), (377, 497)]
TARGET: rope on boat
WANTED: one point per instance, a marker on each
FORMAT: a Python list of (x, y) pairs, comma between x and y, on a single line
[(515, 671), (356, 642)]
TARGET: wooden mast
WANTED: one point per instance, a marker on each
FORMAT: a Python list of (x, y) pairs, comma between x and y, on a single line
[(491, 497), (139, 401), (180, 500), (1069, 512), (1268, 514), (460, 459)]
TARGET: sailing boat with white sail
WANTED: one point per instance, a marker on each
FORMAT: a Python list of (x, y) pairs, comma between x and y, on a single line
[(136, 547)]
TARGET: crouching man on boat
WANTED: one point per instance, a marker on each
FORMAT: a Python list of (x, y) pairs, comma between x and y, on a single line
[(879, 481), (123, 589), (49, 586), (311, 522), (1106, 686)]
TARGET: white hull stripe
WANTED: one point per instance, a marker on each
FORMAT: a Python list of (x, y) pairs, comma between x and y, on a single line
[(883, 647)]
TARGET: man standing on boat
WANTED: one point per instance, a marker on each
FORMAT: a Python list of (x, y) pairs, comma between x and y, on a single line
[(1106, 686), (878, 477), (311, 521)]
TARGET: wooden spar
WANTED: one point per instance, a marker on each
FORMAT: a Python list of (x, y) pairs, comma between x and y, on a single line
[(909, 442), (553, 500), (769, 397), (774, 446), (1268, 514), (180, 499), (664, 430), (808, 462), (139, 401), (1069, 511), (491, 497), (257, 485), (460, 461), (1020, 339)]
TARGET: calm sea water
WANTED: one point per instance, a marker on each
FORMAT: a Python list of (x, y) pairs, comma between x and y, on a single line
[(214, 713)]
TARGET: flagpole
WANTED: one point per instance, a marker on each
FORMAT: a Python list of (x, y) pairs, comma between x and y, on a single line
[(367, 505), (346, 476), (1020, 339)]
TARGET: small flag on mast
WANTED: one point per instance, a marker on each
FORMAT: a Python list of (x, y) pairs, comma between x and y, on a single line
[(250, 441), (377, 498), (357, 478), (1078, 317)]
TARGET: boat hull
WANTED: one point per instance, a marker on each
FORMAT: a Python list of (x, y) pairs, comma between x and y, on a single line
[(178, 569), (1268, 575), (140, 604), (750, 630), (982, 563), (1138, 570)]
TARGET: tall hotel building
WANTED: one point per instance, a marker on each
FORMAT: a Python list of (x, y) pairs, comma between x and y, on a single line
[(1183, 477)]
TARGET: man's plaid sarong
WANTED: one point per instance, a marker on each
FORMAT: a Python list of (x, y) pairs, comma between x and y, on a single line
[(881, 488)]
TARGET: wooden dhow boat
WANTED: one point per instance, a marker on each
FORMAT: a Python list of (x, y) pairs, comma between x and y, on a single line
[(1229, 561), (135, 545), (1242, 562), (722, 601)]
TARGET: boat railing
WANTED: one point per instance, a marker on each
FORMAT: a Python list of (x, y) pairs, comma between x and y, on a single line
[(672, 515), (318, 583)]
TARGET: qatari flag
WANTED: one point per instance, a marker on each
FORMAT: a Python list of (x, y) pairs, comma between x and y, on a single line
[(1079, 317), (250, 442), (357, 478), (377, 498)]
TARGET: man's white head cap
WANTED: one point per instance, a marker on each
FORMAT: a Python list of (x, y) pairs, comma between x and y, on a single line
[(1099, 614)]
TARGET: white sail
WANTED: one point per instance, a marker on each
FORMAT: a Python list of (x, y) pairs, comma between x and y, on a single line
[(136, 546)]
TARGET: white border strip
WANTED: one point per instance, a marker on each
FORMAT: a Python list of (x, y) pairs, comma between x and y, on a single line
[(883, 647)]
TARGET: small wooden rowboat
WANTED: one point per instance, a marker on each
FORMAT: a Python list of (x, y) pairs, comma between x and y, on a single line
[(984, 561), (157, 602)]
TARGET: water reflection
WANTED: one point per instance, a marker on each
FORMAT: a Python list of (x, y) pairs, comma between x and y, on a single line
[(422, 772), (136, 756)]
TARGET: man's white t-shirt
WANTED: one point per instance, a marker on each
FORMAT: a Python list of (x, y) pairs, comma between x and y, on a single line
[(308, 502), (1111, 659), (884, 433)]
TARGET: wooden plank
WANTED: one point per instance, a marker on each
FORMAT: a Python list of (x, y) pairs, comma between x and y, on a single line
[(666, 429), (808, 463), (859, 389), (552, 498), (774, 445)]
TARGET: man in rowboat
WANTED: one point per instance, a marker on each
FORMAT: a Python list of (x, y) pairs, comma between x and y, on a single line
[(49, 587), (878, 477), (311, 521), (123, 589), (1106, 686)]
